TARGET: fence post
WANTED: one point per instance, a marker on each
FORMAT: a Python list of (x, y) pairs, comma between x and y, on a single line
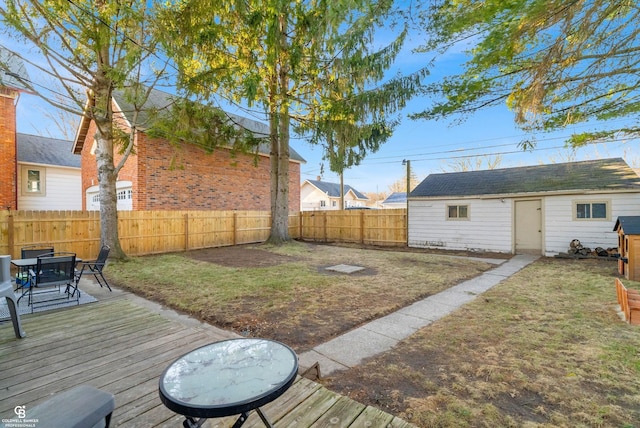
[(11, 236), (300, 225), (362, 227), (235, 228), (324, 225), (186, 232)]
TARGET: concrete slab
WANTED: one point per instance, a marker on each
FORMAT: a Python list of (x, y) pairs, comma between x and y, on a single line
[(397, 331), (327, 365), (480, 284), (352, 348), (345, 268), (406, 320), (430, 310)]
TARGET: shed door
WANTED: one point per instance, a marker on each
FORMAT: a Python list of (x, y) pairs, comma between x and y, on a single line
[(528, 227)]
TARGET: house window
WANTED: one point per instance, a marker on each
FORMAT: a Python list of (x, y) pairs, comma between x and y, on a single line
[(334, 204), (323, 203), (591, 210), (124, 195), (33, 181), (457, 212)]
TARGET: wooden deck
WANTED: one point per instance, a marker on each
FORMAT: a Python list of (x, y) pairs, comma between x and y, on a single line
[(122, 347)]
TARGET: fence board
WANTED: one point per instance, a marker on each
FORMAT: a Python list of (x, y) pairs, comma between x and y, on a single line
[(154, 232)]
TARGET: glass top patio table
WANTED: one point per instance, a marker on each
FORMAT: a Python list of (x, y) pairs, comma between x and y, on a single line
[(231, 377)]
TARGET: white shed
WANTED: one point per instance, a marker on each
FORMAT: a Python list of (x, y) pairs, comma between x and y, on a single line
[(533, 209)]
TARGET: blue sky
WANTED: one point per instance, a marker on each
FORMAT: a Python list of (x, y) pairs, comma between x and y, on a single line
[(432, 146)]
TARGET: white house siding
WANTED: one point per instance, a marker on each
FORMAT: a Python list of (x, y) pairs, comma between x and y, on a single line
[(310, 198), (489, 227), (63, 190), (560, 226)]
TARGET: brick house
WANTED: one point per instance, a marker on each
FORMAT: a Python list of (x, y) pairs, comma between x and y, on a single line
[(36, 173), (161, 176)]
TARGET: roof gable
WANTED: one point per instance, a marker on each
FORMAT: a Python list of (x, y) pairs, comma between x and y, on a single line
[(603, 174), (160, 100), (46, 151), (333, 189)]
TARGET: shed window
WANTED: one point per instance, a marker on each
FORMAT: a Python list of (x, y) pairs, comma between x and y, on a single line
[(457, 212), (591, 210)]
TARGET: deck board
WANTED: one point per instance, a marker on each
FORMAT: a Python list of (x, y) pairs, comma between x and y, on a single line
[(122, 347)]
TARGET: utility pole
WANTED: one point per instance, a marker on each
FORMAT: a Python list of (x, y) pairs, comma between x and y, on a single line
[(408, 164)]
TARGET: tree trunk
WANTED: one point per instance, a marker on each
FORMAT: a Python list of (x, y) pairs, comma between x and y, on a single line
[(107, 188), (279, 124)]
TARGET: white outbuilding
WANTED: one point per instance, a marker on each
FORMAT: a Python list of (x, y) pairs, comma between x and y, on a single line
[(533, 209)]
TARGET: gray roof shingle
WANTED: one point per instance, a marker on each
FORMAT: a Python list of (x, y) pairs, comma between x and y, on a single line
[(46, 151), (603, 174), (333, 189), (396, 198), (159, 100), (630, 224)]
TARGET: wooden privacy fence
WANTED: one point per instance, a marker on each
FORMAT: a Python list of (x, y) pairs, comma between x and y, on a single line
[(374, 227), (154, 232)]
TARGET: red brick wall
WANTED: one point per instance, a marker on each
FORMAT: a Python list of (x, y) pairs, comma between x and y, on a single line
[(166, 177), (8, 161)]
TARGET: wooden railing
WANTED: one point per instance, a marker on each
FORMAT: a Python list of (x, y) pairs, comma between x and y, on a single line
[(154, 232)]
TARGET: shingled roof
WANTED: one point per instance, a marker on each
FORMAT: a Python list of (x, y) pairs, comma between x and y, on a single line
[(46, 151), (629, 223), (603, 174), (396, 198), (333, 189), (160, 100)]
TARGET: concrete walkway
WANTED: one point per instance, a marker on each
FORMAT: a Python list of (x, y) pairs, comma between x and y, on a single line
[(375, 337)]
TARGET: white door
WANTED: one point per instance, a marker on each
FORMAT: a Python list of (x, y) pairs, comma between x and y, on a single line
[(528, 227)]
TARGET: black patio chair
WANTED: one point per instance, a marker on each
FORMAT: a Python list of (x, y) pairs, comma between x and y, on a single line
[(52, 270), (95, 267), (30, 252), (33, 251)]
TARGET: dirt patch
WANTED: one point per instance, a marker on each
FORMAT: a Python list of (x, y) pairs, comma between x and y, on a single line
[(240, 256)]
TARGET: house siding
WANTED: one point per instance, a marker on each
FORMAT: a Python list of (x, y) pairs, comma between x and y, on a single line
[(489, 227), (62, 190), (560, 226)]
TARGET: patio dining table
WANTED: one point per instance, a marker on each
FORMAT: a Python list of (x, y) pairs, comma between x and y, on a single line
[(230, 377)]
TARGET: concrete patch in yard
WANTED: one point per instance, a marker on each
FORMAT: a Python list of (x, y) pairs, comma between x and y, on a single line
[(345, 268)]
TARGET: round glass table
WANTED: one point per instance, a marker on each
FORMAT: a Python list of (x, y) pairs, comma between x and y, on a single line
[(231, 377)]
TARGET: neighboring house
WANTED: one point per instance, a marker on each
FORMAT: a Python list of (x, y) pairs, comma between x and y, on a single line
[(36, 173), (533, 209), (49, 176), (319, 195), (162, 176), (395, 200)]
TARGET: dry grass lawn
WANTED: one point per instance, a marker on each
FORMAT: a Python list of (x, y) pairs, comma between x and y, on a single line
[(545, 348), (286, 293)]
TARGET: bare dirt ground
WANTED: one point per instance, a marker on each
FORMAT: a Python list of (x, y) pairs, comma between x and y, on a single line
[(246, 256)]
